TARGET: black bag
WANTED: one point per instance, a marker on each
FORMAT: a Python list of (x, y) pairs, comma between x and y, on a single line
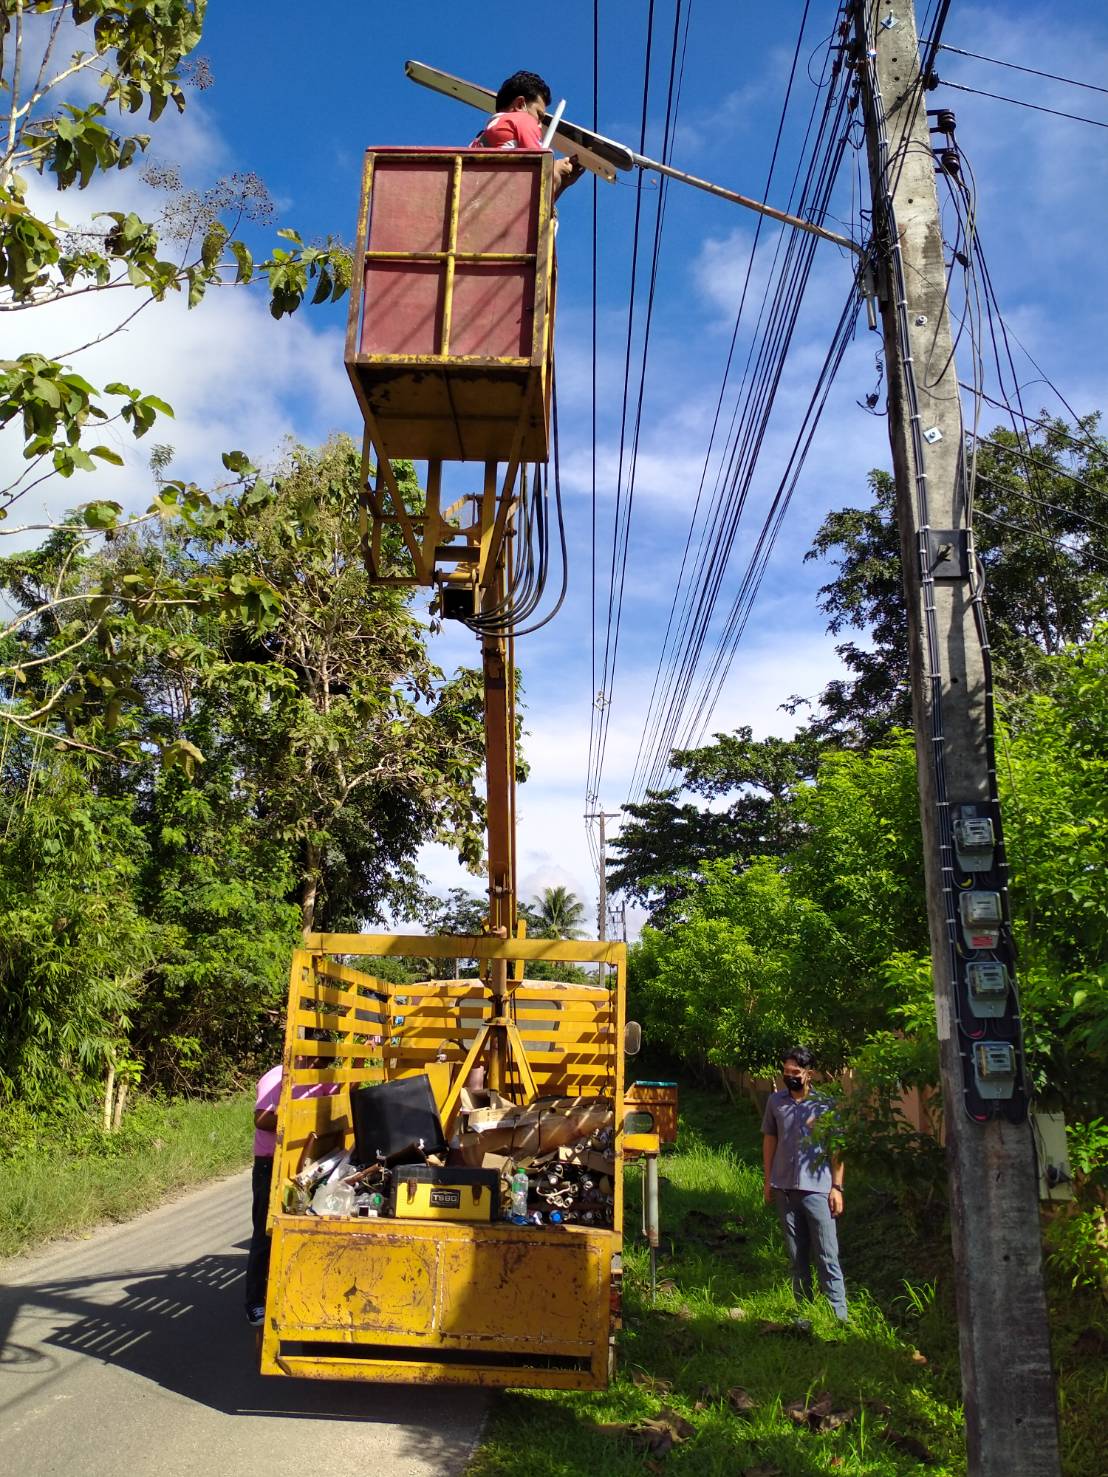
[(393, 1117)]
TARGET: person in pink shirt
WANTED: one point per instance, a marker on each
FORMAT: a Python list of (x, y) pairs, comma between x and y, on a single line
[(517, 124), (266, 1099)]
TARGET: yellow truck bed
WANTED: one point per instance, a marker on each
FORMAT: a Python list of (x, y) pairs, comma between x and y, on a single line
[(440, 1301)]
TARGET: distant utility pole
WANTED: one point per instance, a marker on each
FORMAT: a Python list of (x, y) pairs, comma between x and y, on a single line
[(1011, 1418), (602, 905)]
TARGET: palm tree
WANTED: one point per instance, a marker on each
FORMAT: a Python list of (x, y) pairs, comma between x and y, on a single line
[(558, 914)]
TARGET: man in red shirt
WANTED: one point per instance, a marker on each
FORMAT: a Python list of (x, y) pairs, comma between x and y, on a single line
[(516, 124)]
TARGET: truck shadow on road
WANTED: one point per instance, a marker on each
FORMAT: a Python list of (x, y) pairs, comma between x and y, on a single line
[(184, 1329)]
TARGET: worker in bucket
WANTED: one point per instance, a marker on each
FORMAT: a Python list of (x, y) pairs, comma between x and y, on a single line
[(517, 124), (804, 1181)]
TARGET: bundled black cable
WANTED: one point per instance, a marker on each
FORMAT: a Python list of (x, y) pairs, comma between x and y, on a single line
[(527, 574)]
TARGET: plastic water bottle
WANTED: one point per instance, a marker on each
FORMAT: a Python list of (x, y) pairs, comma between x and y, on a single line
[(519, 1197)]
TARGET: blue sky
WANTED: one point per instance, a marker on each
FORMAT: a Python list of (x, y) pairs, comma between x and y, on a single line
[(297, 103)]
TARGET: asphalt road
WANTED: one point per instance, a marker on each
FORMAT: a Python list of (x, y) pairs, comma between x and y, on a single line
[(129, 1353)]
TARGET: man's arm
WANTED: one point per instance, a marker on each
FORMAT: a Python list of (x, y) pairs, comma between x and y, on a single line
[(769, 1148), (265, 1119), (835, 1194)]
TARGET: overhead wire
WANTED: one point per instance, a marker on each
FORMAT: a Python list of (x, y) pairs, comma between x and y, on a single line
[(750, 585), (594, 851), (1017, 67), (671, 106), (753, 405), (743, 461), (630, 430), (656, 709), (1022, 103), (1045, 423), (601, 698)]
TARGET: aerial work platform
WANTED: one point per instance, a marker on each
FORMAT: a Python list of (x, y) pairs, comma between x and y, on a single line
[(449, 341)]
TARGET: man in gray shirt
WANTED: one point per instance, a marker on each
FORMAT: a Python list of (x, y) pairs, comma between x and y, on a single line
[(803, 1180)]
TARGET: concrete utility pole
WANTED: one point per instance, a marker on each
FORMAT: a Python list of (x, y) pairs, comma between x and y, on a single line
[(602, 905), (1011, 1418)]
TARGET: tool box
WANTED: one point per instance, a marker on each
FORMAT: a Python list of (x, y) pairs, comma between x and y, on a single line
[(424, 1192)]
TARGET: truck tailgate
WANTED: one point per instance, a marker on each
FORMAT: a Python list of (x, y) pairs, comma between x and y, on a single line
[(438, 1302)]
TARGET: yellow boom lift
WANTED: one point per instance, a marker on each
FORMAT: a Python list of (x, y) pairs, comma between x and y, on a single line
[(450, 353)]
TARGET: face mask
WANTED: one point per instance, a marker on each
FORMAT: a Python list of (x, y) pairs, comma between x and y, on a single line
[(794, 1084)]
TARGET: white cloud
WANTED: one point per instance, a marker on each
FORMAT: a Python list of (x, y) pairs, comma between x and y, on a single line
[(235, 377)]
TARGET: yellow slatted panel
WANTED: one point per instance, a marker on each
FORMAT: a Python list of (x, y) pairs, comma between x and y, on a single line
[(468, 1016), (328, 1021), (322, 1050), (308, 1116), (339, 1074), (447, 990), (349, 976), (530, 1010), (555, 1031), (458, 1054), (552, 990), (478, 946), (311, 997), (394, 1054)]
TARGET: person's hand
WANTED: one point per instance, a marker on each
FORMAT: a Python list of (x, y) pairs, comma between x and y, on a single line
[(567, 172), (767, 1193), (835, 1201)]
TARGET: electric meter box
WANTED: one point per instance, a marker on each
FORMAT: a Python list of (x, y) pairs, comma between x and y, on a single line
[(982, 916), (974, 842), (987, 987), (994, 1069)]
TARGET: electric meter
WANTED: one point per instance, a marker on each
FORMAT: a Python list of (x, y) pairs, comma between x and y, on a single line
[(982, 916), (987, 987), (974, 842), (994, 1069)]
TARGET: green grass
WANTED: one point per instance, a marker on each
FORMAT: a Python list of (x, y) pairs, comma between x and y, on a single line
[(63, 1177), (687, 1349)]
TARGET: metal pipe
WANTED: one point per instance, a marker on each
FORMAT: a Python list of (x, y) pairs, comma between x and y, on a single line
[(652, 1217), (760, 206)]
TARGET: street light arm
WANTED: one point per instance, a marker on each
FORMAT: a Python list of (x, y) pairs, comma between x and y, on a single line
[(758, 205)]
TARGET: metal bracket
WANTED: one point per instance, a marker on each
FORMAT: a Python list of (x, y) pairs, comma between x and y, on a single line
[(947, 554)]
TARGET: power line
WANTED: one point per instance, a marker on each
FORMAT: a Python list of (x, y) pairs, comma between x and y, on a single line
[(677, 705), (1042, 422), (1020, 103), (656, 710), (625, 494), (671, 114), (595, 316), (1056, 541), (1016, 67), (936, 40), (1034, 461)]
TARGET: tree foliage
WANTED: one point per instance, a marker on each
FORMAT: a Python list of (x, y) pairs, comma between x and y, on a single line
[(778, 949), (662, 847), (141, 57), (1040, 524), (266, 758), (556, 914)]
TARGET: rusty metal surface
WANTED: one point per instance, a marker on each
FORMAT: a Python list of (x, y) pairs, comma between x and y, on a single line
[(502, 1300), (450, 325), (429, 1288)]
